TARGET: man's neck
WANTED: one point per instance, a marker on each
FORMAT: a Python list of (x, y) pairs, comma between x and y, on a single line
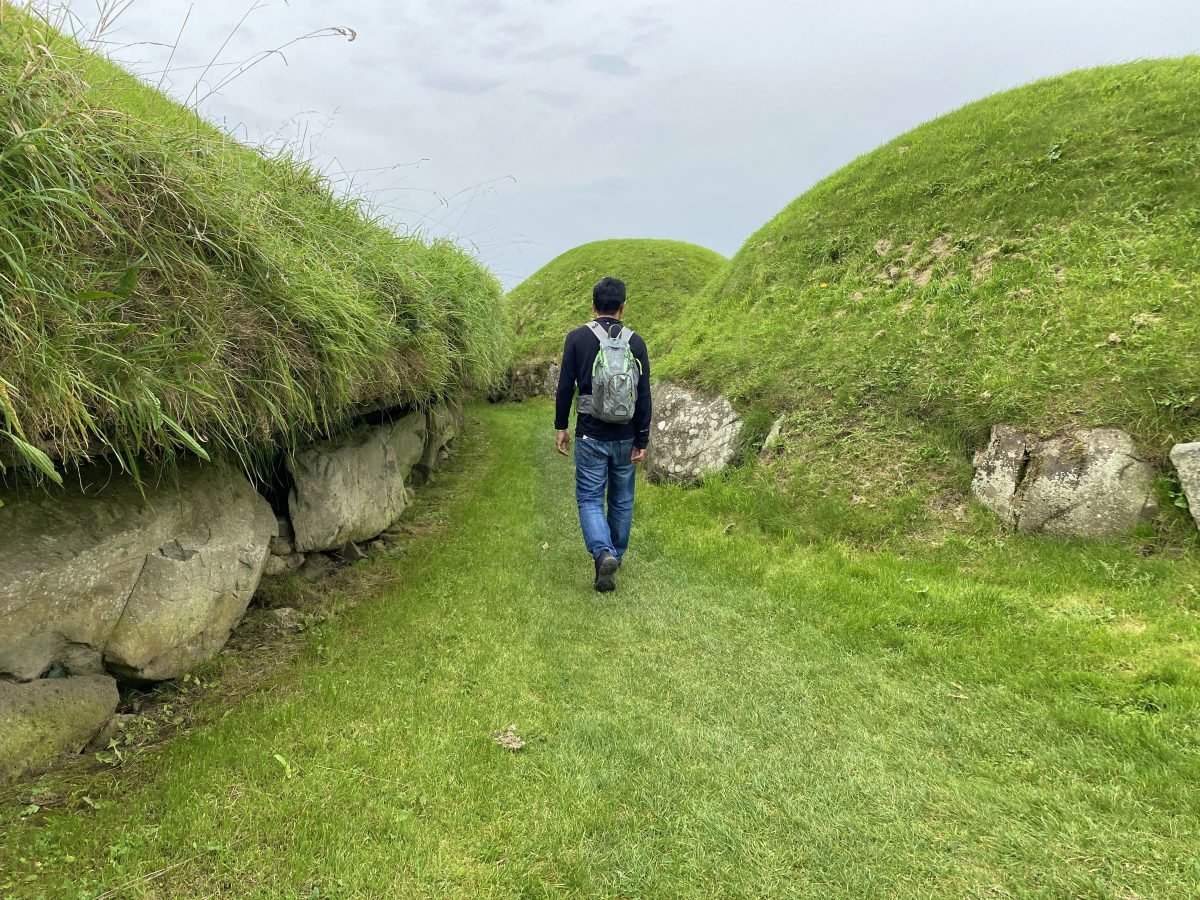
[(600, 315)]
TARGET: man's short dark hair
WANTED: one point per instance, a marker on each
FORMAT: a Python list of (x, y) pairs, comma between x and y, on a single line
[(608, 295)]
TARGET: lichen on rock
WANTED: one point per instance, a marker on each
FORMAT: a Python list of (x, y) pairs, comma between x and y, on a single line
[(691, 434), (44, 719)]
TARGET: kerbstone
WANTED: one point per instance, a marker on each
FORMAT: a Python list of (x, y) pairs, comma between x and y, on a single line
[(1085, 483), (191, 594), (42, 720), (101, 576), (1186, 459), (352, 488), (1088, 483), (443, 423), (999, 468), (691, 434)]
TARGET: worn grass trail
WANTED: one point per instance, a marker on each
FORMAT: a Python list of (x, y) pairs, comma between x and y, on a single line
[(742, 718)]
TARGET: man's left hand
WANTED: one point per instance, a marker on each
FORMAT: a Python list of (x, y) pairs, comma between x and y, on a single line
[(639, 455)]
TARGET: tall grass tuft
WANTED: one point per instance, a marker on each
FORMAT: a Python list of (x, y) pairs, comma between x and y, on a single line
[(165, 289)]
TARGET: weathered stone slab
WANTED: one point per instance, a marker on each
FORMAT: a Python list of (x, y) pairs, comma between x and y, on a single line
[(352, 488), (1084, 483), (41, 720), (691, 434), (1088, 483), (192, 592), (444, 421), (999, 468), (100, 575), (550, 385), (531, 379), (1186, 459)]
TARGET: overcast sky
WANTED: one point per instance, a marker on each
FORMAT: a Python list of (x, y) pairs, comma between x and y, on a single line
[(526, 127)]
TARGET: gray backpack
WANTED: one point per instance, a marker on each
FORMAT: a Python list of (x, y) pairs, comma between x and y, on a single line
[(615, 376)]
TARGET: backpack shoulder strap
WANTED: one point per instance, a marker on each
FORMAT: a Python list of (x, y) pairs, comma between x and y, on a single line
[(597, 330), (626, 334)]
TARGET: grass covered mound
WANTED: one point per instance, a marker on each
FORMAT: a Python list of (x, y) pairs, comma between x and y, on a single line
[(164, 287), (1030, 259), (661, 277)]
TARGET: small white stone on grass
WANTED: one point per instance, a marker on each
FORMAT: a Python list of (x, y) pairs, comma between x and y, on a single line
[(509, 739), (286, 618)]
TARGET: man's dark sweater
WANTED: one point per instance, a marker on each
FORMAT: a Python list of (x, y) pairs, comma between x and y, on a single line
[(579, 355)]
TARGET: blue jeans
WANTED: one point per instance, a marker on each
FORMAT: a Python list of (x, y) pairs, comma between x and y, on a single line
[(601, 465)]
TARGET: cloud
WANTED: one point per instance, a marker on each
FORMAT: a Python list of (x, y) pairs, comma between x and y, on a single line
[(645, 20), (480, 7), (572, 93), (649, 30), (522, 52), (457, 83), (557, 99), (610, 64)]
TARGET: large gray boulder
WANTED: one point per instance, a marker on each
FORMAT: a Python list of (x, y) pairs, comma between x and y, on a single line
[(1186, 459), (1085, 483), (101, 576), (352, 488), (42, 720), (691, 434)]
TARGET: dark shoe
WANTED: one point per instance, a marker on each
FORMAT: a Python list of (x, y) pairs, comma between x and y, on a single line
[(606, 572)]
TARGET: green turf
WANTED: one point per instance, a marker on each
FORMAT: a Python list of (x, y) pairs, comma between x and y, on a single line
[(972, 272), (746, 717), (163, 287), (661, 277)]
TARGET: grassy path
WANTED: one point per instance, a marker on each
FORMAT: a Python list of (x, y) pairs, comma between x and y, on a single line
[(742, 718)]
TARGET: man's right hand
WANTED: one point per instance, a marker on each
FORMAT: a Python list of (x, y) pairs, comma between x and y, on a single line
[(562, 441)]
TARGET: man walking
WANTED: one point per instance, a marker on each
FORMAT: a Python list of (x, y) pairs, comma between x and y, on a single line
[(611, 368)]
